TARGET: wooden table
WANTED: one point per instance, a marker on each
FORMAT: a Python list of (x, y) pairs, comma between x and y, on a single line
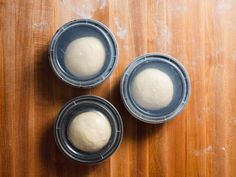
[(200, 142)]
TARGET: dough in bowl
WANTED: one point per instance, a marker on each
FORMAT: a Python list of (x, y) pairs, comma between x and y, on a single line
[(89, 131), (152, 89), (85, 57)]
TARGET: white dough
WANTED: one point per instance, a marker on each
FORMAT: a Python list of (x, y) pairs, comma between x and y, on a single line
[(85, 57), (152, 89), (89, 131)]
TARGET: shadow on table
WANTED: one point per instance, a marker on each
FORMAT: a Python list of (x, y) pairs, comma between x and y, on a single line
[(50, 91), (56, 162), (135, 131), (50, 94), (47, 86)]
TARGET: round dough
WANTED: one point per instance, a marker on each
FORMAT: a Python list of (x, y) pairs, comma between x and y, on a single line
[(152, 89), (89, 131), (85, 57)]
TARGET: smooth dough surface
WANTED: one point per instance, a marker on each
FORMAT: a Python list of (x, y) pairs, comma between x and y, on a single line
[(89, 131), (85, 57), (152, 89)]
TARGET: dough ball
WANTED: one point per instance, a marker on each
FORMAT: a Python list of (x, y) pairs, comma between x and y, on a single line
[(85, 57), (89, 131), (152, 89)]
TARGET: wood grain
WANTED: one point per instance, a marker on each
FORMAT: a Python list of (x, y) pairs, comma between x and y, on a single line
[(200, 142)]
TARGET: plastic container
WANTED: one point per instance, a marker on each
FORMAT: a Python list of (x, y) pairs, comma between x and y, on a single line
[(180, 80), (77, 106), (74, 30)]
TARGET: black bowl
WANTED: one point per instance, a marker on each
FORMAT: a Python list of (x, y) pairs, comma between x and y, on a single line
[(71, 110)]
